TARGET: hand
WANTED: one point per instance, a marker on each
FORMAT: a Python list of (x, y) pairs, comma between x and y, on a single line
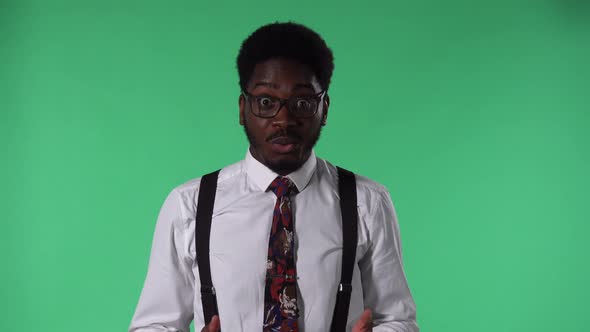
[(213, 326), (365, 323)]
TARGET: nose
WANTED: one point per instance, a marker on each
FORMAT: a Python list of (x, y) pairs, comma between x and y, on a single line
[(284, 117)]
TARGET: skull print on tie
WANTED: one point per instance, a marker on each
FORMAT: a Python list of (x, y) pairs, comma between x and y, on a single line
[(280, 296)]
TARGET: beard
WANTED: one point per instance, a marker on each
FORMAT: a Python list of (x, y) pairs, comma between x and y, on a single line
[(283, 166)]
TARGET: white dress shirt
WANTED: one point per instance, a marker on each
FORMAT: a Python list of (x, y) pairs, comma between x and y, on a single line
[(242, 218)]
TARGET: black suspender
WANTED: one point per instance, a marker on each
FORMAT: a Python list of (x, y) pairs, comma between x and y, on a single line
[(207, 191), (348, 203), (348, 207)]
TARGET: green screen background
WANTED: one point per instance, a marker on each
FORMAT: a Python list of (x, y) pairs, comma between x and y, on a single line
[(474, 114)]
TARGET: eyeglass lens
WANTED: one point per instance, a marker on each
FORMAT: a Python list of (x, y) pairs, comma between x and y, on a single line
[(300, 106)]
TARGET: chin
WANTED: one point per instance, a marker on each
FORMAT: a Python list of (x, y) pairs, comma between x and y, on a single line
[(285, 164)]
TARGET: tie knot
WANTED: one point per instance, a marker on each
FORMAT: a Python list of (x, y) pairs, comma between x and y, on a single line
[(282, 186)]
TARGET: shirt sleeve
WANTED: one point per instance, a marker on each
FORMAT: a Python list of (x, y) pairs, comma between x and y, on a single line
[(166, 301), (385, 287)]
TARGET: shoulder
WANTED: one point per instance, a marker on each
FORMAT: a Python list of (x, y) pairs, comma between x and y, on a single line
[(374, 205), (369, 192), (188, 192)]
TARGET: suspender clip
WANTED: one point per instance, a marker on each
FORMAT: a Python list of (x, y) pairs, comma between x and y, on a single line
[(344, 288), (208, 289)]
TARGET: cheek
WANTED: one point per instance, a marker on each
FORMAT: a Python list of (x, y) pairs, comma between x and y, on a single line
[(255, 125), (316, 121)]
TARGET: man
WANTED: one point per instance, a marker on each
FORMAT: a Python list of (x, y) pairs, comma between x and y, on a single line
[(276, 227)]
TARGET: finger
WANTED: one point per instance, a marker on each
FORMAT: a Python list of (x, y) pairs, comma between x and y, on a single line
[(213, 325), (366, 319), (365, 322)]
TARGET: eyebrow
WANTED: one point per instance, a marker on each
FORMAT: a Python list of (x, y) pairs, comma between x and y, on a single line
[(304, 86), (266, 84), (276, 86)]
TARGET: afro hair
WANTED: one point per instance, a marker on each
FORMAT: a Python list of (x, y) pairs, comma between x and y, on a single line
[(288, 40)]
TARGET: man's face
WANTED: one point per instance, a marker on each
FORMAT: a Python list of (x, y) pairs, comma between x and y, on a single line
[(282, 143)]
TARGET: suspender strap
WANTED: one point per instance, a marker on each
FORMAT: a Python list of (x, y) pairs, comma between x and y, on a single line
[(348, 208), (207, 191)]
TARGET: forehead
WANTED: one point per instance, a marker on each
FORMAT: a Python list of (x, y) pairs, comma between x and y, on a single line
[(283, 74)]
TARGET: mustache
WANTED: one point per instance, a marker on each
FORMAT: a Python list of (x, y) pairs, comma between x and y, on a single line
[(285, 134)]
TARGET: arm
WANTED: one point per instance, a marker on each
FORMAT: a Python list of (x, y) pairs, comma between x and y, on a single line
[(385, 287), (166, 301)]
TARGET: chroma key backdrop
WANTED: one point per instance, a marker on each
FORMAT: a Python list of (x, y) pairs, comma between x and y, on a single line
[(474, 114)]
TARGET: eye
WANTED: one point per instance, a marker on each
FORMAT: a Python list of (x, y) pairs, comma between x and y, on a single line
[(304, 104), (265, 102)]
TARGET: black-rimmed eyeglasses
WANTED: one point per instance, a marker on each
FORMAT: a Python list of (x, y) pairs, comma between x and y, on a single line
[(266, 106)]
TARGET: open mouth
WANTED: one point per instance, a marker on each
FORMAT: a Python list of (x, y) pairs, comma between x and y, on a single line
[(283, 144)]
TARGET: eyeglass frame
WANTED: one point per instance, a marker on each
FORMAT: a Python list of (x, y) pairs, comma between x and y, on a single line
[(284, 102)]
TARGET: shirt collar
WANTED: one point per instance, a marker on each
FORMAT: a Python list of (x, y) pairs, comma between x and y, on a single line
[(262, 176)]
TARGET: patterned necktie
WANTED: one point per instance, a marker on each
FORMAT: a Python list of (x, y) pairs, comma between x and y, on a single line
[(280, 296)]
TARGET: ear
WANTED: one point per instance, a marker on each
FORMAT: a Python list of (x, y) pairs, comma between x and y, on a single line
[(326, 107), (242, 105)]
